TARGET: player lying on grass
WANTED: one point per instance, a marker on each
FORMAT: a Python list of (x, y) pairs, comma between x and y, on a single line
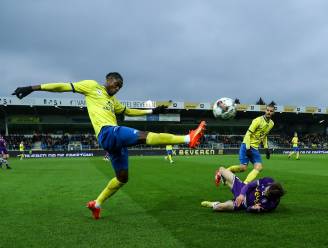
[(262, 195), (103, 107)]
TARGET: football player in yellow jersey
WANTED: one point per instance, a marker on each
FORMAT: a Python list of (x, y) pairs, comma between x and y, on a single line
[(296, 149), (21, 150), (255, 135), (168, 156), (102, 107)]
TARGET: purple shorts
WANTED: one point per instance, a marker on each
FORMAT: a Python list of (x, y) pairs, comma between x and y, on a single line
[(236, 188), (3, 150)]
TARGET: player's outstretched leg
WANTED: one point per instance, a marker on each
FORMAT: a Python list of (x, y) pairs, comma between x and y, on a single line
[(192, 139), (223, 206), (218, 206), (208, 204)]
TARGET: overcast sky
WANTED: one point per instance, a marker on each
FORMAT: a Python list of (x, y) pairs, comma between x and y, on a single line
[(173, 49)]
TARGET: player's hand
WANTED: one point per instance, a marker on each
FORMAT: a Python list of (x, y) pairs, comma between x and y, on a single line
[(21, 92), (255, 208), (239, 200), (160, 109), (249, 153), (267, 153)]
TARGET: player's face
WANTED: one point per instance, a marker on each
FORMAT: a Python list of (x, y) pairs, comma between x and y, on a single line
[(113, 85), (269, 112)]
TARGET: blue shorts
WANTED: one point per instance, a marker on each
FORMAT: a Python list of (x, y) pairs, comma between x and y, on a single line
[(296, 149), (244, 159), (169, 152), (236, 189), (115, 140)]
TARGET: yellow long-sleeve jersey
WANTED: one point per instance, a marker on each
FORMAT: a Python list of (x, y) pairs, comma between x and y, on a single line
[(257, 132), (102, 108)]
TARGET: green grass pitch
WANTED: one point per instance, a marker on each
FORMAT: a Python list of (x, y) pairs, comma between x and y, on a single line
[(43, 204)]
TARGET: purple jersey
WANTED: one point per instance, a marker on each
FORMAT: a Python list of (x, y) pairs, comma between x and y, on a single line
[(256, 194), (3, 143)]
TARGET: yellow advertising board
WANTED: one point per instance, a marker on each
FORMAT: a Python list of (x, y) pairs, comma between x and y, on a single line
[(242, 107), (311, 109), (290, 109), (191, 105)]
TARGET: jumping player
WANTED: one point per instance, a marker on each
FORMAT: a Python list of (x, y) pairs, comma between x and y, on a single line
[(103, 107)]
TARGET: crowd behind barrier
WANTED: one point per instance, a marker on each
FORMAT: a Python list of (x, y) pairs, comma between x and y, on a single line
[(52, 141), (67, 142)]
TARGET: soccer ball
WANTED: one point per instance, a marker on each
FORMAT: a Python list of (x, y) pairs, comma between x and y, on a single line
[(224, 108)]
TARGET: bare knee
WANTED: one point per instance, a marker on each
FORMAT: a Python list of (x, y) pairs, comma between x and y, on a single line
[(258, 167), (243, 167)]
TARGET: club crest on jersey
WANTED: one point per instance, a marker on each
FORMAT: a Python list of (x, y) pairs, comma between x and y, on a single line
[(99, 92), (109, 106)]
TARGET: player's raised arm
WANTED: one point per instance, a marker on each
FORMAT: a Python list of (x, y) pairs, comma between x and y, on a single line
[(21, 92), (83, 87), (137, 112)]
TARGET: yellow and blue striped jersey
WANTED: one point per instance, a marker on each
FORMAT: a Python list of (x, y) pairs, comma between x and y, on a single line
[(257, 132), (295, 141)]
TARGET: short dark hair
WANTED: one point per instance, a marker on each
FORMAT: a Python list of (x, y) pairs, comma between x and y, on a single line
[(115, 75), (271, 105), (275, 191)]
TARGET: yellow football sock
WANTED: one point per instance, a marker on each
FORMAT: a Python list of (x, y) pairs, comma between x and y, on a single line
[(170, 158), (251, 176), (164, 138), (290, 154), (113, 186), (297, 155), (234, 168)]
